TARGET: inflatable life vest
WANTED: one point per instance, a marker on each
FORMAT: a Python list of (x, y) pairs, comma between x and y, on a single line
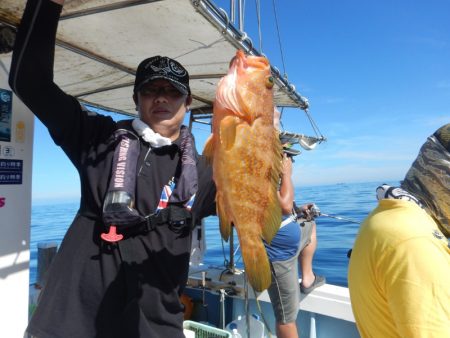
[(118, 207)]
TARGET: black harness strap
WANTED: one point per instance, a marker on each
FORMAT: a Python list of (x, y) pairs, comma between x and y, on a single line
[(175, 216)]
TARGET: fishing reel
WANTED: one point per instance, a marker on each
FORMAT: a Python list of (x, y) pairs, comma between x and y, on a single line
[(309, 213), (288, 141), (315, 211), (289, 151)]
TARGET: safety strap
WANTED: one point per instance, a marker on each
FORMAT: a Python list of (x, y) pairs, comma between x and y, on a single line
[(174, 216)]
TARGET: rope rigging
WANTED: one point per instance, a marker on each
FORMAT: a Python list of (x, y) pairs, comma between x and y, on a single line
[(279, 38), (308, 142), (258, 16)]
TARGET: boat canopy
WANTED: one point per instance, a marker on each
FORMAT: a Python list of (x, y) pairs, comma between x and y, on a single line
[(101, 42)]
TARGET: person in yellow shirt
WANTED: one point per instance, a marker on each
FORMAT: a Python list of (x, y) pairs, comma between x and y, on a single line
[(399, 271)]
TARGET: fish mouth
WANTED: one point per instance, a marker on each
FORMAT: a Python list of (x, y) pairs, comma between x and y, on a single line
[(251, 61), (257, 62), (230, 95)]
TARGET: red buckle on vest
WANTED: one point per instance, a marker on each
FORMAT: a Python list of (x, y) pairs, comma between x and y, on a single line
[(112, 236)]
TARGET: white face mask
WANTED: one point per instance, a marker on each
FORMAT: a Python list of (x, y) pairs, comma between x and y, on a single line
[(429, 180), (148, 135)]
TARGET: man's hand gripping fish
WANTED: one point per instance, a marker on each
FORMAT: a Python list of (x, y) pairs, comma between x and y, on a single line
[(246, 153)]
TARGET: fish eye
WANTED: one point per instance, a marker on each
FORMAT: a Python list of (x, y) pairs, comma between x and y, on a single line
[(269, 82)]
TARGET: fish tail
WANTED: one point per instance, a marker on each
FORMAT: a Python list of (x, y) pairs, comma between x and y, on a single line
[(257, 266)]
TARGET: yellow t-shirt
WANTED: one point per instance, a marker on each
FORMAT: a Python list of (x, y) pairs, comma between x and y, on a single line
[(399, 274)]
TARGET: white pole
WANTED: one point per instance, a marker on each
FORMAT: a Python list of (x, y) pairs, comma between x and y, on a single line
[(312, 327)]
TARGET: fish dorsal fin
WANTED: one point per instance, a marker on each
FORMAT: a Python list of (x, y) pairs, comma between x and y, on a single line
[(273, 220), (272, 214)]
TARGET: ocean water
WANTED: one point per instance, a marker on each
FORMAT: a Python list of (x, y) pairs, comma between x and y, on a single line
[(351, 201)]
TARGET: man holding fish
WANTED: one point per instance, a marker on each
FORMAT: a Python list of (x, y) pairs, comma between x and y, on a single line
[(124, 261)]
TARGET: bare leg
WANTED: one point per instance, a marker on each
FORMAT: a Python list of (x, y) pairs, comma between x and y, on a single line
[(306, 258), (288, 330)]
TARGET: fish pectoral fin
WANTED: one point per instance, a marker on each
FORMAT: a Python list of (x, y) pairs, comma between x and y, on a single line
[(208, 150), (228, 131)]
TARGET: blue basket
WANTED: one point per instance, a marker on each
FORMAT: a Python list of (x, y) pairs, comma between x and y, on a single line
[(205, 331)]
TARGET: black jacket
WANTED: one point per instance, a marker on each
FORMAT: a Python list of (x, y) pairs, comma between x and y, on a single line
[(91, 291)]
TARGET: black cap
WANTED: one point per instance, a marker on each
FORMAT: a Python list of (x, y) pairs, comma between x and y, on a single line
[(162, 67)]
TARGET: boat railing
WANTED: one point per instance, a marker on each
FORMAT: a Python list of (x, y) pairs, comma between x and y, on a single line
[(328, 300)]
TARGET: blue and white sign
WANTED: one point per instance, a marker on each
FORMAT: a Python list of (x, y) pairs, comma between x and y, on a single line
[(11, 171), (5, 114)]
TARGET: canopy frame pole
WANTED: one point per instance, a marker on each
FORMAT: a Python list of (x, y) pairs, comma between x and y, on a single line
[(219, 19)]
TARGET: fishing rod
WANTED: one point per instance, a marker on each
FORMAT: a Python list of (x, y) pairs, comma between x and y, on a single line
[(315, 211), (340, 218)]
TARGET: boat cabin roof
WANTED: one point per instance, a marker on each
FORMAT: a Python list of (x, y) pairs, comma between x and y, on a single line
[(101, 42)]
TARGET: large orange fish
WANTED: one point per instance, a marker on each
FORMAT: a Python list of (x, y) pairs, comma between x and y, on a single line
[(245, 151)]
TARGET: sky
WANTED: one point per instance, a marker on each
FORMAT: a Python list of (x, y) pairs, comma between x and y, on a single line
[(376, 75)]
